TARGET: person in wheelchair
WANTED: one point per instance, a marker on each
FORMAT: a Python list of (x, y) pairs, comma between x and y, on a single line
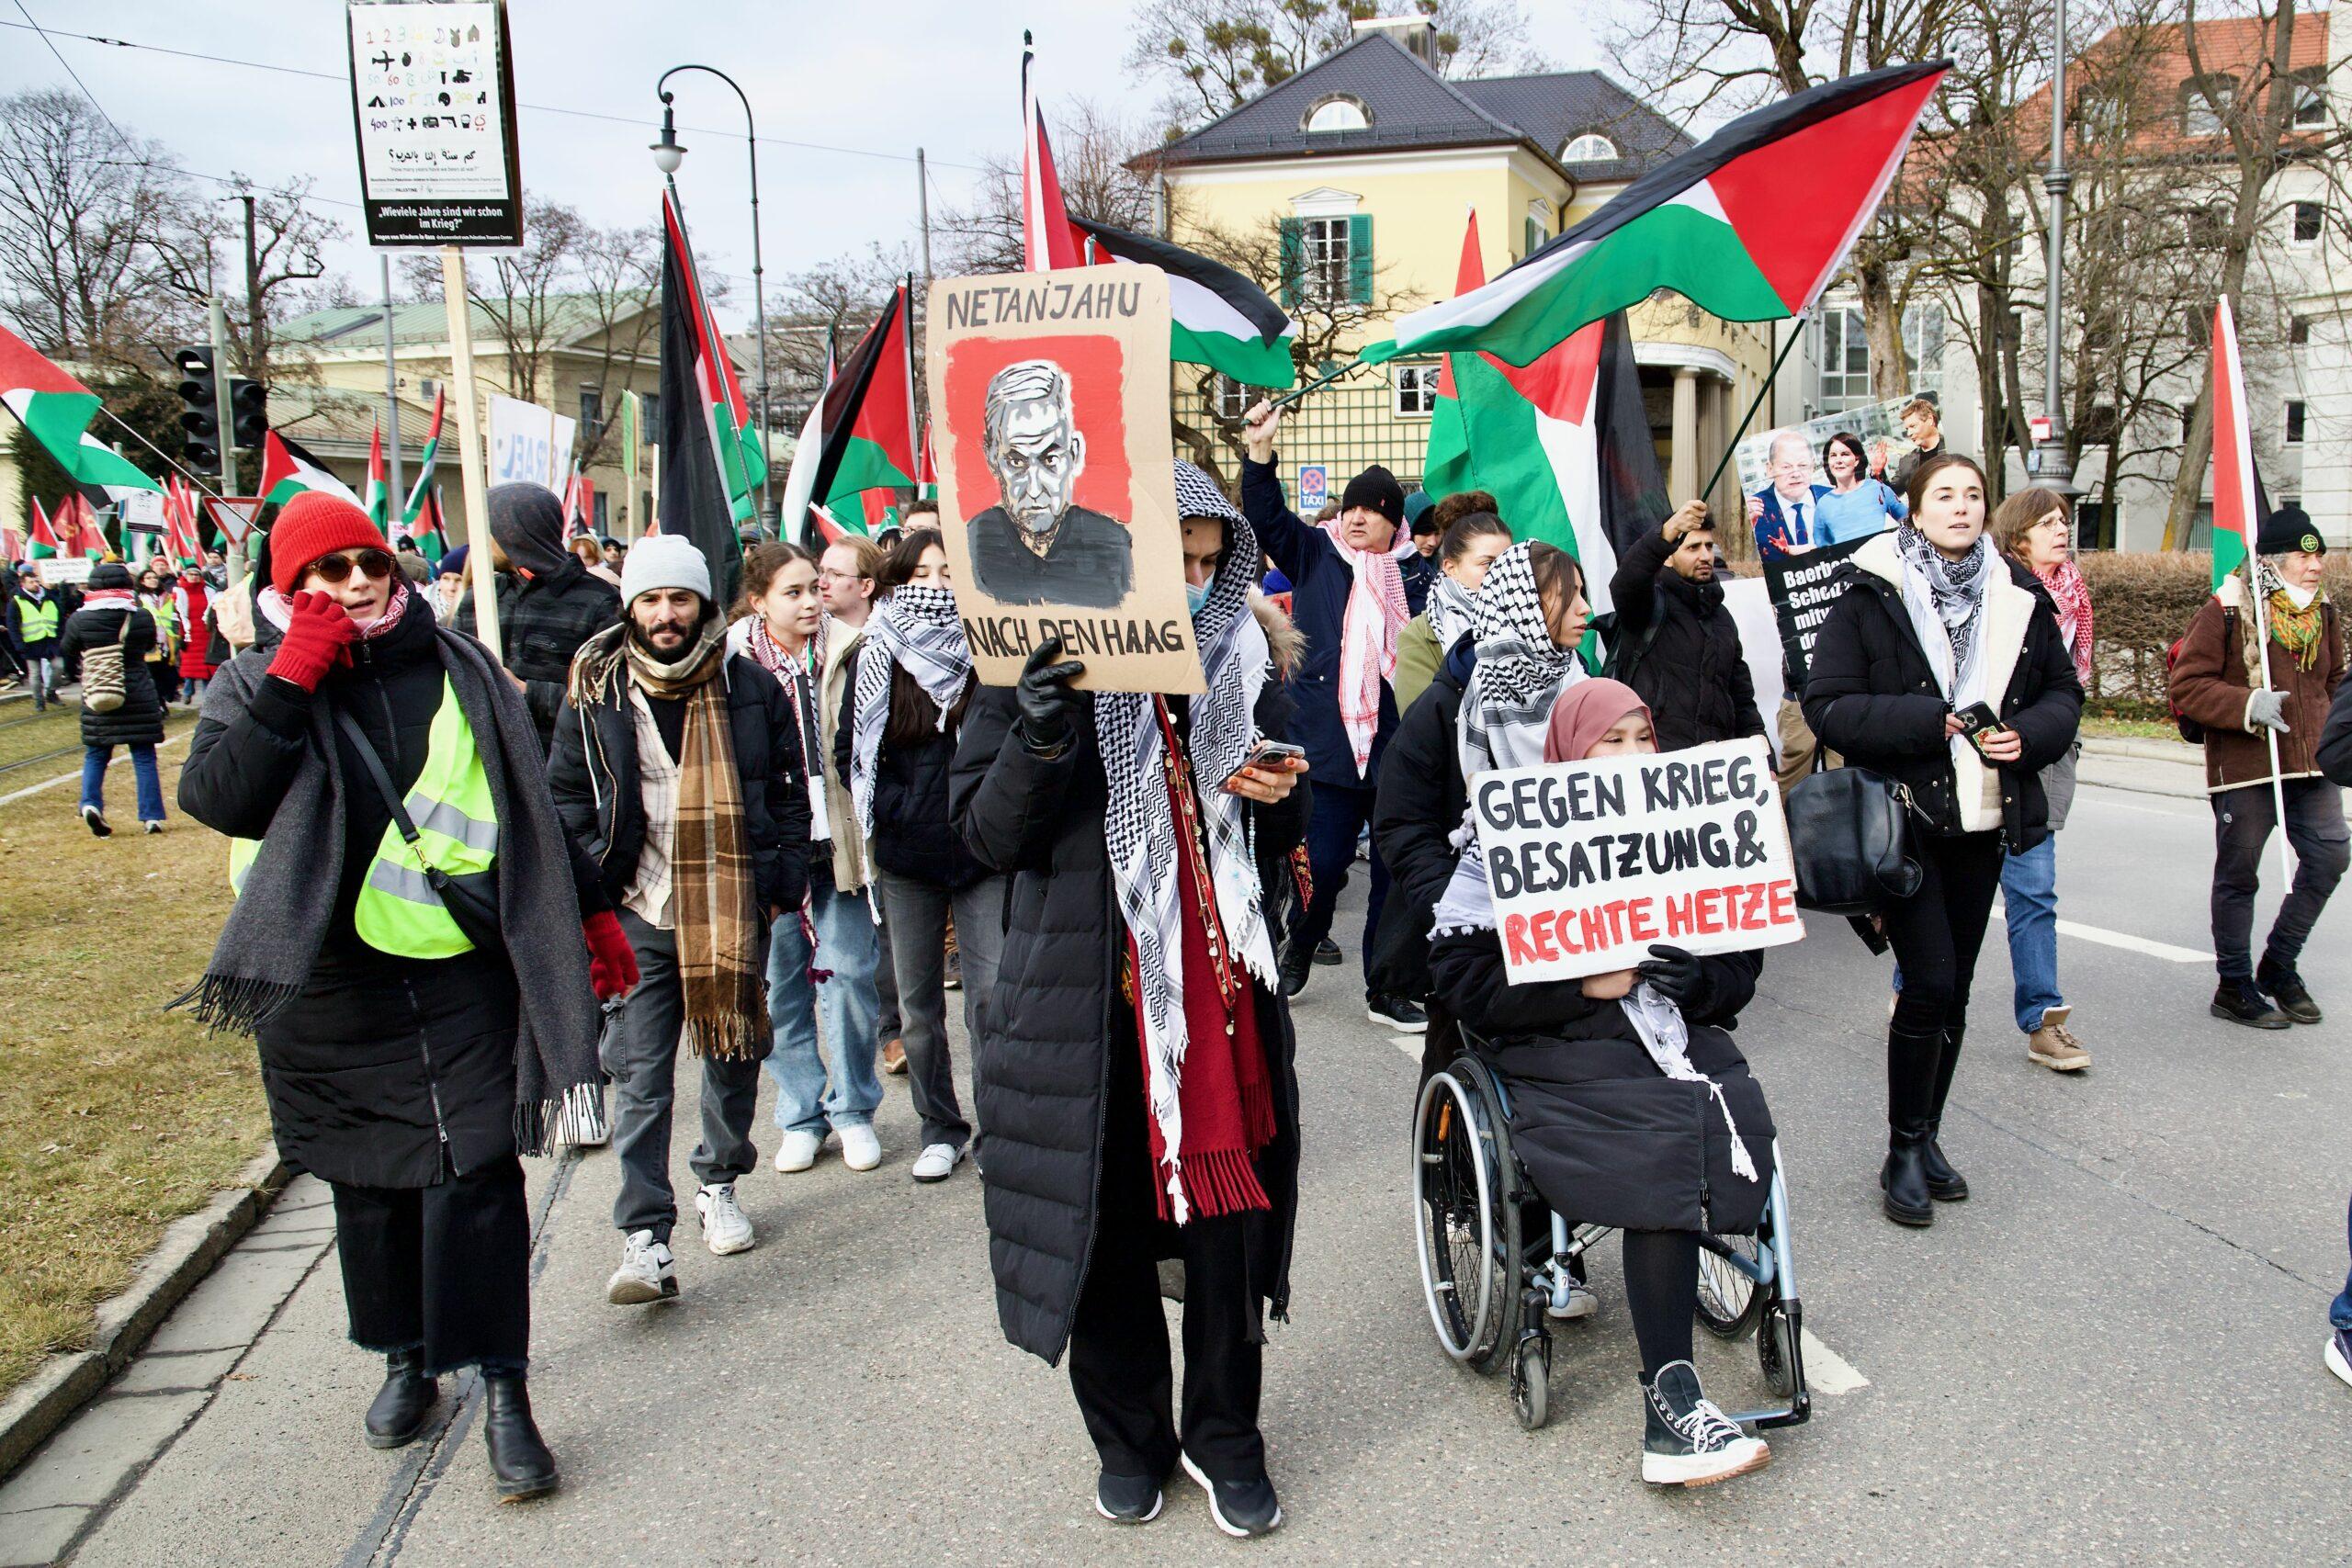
[(1631, 1108)]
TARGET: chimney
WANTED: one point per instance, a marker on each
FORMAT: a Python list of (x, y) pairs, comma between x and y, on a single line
[(1416, 36)]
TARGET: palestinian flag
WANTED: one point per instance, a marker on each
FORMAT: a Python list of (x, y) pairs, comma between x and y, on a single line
[(861, 435), (711, 460), (927, 471), (2239, 504), (1749, 225), (1048, 240), (286, 472), (420, 491), (378, 499), (1446, 469), (56, 411), (43, 544), (12, 545), (1222, 319)]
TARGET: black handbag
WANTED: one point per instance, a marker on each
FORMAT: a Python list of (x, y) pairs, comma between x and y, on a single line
[(476, 915), (1849, 836)]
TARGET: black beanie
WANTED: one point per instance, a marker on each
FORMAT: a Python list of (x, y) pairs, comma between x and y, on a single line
[(1378, 489), (2288, 531)]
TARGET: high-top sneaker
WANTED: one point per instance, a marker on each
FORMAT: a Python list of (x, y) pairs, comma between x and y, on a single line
[(1689, 1442)]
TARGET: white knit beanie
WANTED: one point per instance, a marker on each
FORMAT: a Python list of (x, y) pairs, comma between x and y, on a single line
[(663, 560)]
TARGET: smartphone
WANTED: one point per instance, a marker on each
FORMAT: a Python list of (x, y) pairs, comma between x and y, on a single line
[(1975, 719), (1269, 752)]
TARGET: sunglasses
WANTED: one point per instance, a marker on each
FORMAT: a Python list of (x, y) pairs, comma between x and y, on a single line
[(336, 567)]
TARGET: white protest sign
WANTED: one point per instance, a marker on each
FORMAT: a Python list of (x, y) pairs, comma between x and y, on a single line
[(1591, 863), (433, 102), (528, 445)]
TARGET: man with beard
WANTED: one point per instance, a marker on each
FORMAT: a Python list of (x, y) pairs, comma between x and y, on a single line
[(1034, 547), (1676, 643), (683, 779)]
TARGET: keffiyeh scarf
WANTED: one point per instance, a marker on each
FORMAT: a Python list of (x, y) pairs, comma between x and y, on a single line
[(1521, 673), (1452, 609), (915, 629), (1946, 598), (1375, 614), (2065, 583), (1141, 829)]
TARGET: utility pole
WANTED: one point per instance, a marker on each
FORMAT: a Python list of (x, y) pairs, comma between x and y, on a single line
[(391, 397), (2051, 471), (228, 438), (254, 358), (922, 211)]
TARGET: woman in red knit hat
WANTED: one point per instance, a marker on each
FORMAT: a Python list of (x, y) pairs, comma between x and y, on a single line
[(398, 861)]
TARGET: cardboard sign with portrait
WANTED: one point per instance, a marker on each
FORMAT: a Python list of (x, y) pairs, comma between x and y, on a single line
[(1049, 398)]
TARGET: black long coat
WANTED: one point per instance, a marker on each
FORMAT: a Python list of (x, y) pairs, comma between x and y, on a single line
[(1056, 1015), (1418, 807), (139, 721)]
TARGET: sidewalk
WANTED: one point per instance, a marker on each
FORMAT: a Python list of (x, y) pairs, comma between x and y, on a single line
[(2146, 767)]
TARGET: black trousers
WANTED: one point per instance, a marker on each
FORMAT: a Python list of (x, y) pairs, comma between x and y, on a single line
[(1937, 930), (2242, 821), (1118, 1345), (446, 1267)]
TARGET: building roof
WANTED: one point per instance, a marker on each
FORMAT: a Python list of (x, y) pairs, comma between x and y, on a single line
[(2145, 74), (571, 317), (1411, 107), (337, 422)]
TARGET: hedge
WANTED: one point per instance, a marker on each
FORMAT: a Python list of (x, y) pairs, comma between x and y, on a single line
[(2141, 604)]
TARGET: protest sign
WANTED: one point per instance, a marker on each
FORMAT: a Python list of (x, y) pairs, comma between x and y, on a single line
[(55, 569), (1050, 423), (433, 104), (1802, 587), (1878, 425), (528, 445), (1592, 863)]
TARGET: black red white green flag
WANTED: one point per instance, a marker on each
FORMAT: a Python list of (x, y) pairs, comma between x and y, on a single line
[(861, 435), (710, 458), (378, 497), (43, 545), (1751, 225), (424, 465), (1046, 241), (56, 411), (287, 470)]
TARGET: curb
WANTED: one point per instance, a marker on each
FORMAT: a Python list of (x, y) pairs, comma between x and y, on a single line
[(2145, 750), (191, 1245)]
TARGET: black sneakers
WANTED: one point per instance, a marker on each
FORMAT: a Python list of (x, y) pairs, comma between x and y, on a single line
[(2240, 1002), (1688, 1441), (1396, 1013), (1295, 963), (2286, 987), (1327, 953), (1126, 1499), (96, 819), (1240, 1507)]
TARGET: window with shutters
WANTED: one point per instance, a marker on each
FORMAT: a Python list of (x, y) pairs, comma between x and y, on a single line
[(1328, 259), (1413, 391), (1534, 237)]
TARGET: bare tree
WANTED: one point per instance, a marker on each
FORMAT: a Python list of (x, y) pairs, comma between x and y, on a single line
[(525, 294), (203, 253), (620, 274), (78, 205), (829, 306), (1094, 156)]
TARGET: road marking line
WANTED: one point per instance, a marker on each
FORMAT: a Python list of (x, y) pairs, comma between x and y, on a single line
[(1827, 1371), (2146, 946)]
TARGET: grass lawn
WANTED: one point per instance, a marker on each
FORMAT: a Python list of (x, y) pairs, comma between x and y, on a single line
[(115, 1118), (2130, 728)]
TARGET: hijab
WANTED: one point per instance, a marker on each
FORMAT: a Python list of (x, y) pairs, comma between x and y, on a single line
[(1585, 712)]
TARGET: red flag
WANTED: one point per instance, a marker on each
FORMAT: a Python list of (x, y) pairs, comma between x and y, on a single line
[(44, 531), (81, 527), (12, 545), (1047, 239)]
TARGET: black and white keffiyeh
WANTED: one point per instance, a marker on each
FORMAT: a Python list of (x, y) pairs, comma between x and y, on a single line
[(1452, 609), (1520, 670), (916, 628), (1946, 600), (1140, 823)]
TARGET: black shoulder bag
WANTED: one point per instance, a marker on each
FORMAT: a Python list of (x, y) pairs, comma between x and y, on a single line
[(1850, 838), (476, 915)]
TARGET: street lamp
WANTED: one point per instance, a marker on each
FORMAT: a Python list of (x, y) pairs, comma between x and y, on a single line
[(668, 154), (2051, 469)]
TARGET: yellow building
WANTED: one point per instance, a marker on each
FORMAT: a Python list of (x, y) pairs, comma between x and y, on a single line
[(1365, 166)]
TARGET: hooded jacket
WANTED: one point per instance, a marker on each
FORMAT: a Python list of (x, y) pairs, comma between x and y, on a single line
[(1870, 694), (542, 618), (1681, 649), (2215, 674)]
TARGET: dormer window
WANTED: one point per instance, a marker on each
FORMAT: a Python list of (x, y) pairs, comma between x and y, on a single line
[(1339, 112), (1590, 148)]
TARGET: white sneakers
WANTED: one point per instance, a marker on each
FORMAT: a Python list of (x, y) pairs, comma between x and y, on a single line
[(861, 1150), (1581, 1303), (797, 1152), (647, 1273), (936, 1161), (725, 1229)]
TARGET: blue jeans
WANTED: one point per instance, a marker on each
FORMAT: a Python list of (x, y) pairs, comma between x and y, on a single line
[(2029, 887), (1337, 815), (143, 763), (2339, 1311), (806, 1099)]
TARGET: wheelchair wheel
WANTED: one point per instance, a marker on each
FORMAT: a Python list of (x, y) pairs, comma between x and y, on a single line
[(1776, 1351), (1530, 1381), (1468, 1234), (1729, 1299)]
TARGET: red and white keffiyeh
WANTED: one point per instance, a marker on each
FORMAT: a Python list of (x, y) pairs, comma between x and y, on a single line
[(1376, 616), (2065, 583)]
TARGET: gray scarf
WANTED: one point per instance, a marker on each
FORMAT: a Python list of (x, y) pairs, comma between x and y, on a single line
[(272, 937)]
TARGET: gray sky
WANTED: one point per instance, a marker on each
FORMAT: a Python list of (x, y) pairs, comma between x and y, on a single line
[(876, 76)]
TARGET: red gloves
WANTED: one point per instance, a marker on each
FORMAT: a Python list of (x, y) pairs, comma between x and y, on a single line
[(612, 963), (316, 638)]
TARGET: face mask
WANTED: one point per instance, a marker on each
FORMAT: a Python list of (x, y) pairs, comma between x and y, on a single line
[(1196, 596)]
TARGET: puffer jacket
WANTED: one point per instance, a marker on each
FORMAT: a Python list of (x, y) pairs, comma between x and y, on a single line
[(1681, 651), (914, 836), (1057, 1016), (541, 624), (1420, 805), (139, 721), (2214, 675)]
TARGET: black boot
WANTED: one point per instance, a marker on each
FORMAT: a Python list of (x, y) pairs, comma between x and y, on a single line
[(404, 1404), (1945, 1185), (1910, 1097), (519, 1459), (2286, 988)]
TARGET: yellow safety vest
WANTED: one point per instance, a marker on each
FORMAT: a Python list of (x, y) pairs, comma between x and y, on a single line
[(457, 825), (39, 621)]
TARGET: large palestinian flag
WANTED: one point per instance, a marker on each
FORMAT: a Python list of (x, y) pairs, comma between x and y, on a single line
[(56, 411), (287, 470), (711, 460), (2239, 504), (1751, 225), (1221, 319), (861, 435)]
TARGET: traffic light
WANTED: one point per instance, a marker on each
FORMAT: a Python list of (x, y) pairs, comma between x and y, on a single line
[(199, 409), (248, 413)]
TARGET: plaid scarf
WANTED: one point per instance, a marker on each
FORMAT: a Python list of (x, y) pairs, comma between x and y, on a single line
[(2065, 583), (1195, 1132), (2294, 627), (916, 627), (1375, 614), (1522, 672)]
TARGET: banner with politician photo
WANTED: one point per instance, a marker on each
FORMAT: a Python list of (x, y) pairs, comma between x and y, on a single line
[(1055, 473)]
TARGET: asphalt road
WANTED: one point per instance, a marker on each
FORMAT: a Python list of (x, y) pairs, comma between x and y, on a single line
[(2109, 1354)]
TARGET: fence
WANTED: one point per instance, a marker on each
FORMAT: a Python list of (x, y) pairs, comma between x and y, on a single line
[(1343, 428)]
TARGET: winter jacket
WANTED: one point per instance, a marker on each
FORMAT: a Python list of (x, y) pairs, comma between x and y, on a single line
[(542, 621), (385, 1071), (139, 721), (2214, 676), (914, 836), (30, 640), (1420, 573), (1607, 1137), (834, 682), (1057, 1016), (1680, 648), (809, 713), (2336, 740), (1419, 806), (1872, 695), (598, 792), (1321, 581), (1418, 658)]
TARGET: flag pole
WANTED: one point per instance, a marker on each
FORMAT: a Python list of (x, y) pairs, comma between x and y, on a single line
[(1349, 368), (1753, 403), (455, 300), (2262, 661)]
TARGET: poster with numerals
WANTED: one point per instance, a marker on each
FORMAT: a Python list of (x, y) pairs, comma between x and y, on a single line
[(433, 100)]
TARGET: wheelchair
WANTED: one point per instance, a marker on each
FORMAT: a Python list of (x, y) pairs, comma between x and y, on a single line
[(1494, 1256)]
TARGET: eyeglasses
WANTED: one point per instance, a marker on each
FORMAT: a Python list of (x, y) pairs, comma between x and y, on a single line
[(825, 576), (336, 567)]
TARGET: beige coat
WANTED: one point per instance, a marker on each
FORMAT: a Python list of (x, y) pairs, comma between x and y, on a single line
[(834, 682)]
